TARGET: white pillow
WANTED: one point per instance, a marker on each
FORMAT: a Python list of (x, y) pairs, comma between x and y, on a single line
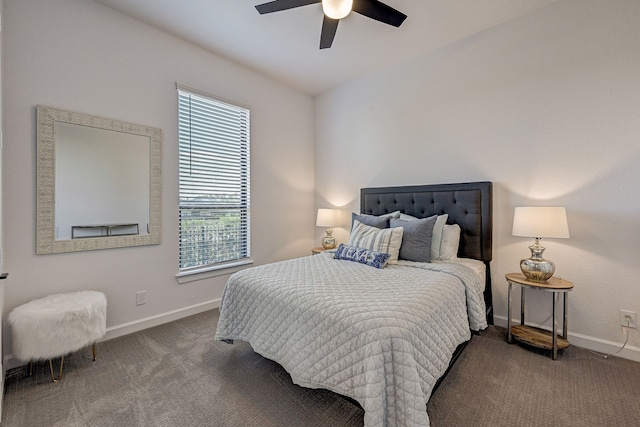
[(450, 242), (385, 240), (436, 236)]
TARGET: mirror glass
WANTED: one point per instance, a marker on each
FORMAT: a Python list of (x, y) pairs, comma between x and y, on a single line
[(98, 183)]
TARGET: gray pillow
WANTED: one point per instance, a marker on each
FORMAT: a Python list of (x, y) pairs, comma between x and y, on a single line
[(381, 221), (436, 236), (416, 239)]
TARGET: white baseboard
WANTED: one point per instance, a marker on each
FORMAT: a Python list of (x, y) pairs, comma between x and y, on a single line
[(139, 325), (578, 340), (588, 343), (159, 319)]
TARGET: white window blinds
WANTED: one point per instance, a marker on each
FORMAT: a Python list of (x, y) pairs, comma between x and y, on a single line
[(214, 181)]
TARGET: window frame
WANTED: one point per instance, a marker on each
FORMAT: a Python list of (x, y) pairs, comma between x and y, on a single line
[(238, 162)]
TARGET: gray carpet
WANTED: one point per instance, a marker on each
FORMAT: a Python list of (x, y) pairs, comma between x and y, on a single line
[(176, 375)]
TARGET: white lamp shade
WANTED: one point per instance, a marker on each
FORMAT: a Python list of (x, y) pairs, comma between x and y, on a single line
[(337, 9), (549, 222), (328, 218)]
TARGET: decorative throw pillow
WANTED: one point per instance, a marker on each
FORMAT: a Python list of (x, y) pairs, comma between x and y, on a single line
[(378, 221), (450, 242), (416, 238), (363, 256), (436, 235), (405, 217), (436, 239), (386, 240)]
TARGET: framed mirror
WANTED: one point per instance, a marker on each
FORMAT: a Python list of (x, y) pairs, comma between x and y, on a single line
[(98, 183)]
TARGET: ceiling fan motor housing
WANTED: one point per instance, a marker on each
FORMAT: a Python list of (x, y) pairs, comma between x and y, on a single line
[(337, 9), (334, 10)]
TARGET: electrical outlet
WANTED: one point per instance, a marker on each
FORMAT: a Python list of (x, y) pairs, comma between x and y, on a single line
[(141, 297), (628, 319)]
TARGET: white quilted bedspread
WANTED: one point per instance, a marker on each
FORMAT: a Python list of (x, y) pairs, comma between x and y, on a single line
[(382, 337)]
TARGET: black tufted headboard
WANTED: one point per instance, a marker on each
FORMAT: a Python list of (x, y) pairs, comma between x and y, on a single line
[(470, 205)]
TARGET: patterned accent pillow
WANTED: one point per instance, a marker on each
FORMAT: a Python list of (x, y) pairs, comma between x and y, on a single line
[(363, 256), (386, 241)]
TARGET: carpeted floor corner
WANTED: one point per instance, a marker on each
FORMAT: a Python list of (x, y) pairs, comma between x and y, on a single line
[(177, 375)]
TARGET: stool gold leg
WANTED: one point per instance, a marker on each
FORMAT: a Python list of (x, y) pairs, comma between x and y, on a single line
[(94, 352), (53, 376), (61, 364), (30, 367)]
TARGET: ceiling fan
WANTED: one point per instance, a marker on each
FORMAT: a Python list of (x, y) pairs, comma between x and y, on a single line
[(335, 10)]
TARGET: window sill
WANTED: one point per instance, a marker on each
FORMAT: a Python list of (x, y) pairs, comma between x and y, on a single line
[(213, 271)]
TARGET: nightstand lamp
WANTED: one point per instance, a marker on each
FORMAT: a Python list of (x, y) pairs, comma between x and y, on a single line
[(539, 222), (328, 218)]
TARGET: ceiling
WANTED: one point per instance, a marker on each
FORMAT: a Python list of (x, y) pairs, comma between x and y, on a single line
[(285, 45)]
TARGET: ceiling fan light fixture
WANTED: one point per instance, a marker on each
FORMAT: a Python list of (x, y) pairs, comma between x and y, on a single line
[(337, 9)]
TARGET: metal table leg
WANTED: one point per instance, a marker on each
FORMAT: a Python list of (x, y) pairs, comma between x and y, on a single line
[(554, 332), (522, 288), (509, 314), (564, 322)]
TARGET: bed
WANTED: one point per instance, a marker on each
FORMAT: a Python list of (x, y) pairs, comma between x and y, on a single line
[(383, 337)]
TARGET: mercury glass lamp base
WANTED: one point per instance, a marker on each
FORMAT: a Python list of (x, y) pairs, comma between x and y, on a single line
[(328, 241), (537, 269)]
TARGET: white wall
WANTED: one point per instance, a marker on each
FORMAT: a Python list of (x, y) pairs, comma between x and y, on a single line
[(80, 56), (548, 108)]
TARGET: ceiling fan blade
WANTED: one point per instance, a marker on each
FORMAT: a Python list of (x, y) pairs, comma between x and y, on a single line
[(379, 11), (278, 5), (329, 28)]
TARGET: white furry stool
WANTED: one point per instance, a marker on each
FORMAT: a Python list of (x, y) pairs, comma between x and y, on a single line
[(57, 325)]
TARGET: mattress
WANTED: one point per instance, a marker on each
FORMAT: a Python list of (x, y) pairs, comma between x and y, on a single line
[(477, 266), (380, 336)]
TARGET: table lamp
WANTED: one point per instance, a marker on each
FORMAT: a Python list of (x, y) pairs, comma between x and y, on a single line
[(539, 222), (328, 218)]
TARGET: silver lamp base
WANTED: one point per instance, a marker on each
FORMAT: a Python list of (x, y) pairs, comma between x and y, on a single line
[(328, 241), (537, 269)]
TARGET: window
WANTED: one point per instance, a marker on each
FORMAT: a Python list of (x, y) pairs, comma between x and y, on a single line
[(214, 182)]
